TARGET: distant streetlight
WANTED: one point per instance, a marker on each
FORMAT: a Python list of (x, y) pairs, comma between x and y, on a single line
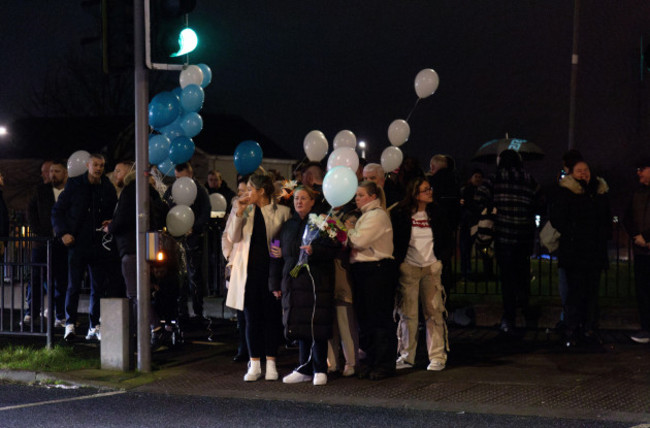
[(4, 131), (362, 147)]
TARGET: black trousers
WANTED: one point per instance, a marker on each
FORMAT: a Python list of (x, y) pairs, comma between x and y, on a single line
[(514, 263), (642, 283), (263, 314), (374, 285), (581, 307)]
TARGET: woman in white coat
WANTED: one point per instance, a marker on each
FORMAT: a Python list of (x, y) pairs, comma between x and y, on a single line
[(253, 288)]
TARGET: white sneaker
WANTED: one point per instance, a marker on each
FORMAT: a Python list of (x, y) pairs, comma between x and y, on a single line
[(59, 323), (401, 364), (348, 371), (297, 377), (271, 371), (69, 332), (27, 319), (435, 366), (94, 333), (254, 371), (320, 379)]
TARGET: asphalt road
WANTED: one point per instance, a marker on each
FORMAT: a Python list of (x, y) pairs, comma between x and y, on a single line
[(52, 406)]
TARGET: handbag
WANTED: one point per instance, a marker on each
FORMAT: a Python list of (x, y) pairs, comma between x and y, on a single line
[(549, 237), (483, 231)]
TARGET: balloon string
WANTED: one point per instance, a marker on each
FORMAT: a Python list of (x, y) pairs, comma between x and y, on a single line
[(413, 109), (300, 164)]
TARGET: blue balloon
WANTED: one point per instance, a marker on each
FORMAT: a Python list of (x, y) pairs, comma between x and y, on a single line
[(248, 156), (158, 148), (192, 97), (181, 150), (164, 108), (340, 185), (207, 75), (173, 130), (177, 91), (192, 124), (166, 167)]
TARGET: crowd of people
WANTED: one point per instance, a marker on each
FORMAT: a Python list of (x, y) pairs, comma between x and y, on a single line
[(364, 294), (349, 285)]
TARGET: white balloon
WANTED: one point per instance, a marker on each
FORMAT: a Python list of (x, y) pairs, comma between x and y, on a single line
[(391, 158), (218, 202), (184, 191), (343, 156), (191, 75), (78, 163), (398, 132), (339, 186), (315, 146), (180, 220), (345, 138), (426, 82)]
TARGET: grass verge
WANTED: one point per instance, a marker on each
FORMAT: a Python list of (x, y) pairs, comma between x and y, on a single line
[(37, 358)]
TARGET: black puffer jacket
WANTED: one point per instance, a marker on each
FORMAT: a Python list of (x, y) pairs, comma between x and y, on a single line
[(298, 293), (581, 214)]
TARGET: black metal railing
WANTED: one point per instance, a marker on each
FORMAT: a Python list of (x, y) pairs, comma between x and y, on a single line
[(617, 282), (18, 268)]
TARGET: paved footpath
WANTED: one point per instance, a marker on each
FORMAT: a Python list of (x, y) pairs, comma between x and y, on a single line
[(486, 373)]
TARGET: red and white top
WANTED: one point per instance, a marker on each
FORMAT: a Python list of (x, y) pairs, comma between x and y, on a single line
[(420, 251)]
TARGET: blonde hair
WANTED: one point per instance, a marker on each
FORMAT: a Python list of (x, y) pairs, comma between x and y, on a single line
[(374, 189)]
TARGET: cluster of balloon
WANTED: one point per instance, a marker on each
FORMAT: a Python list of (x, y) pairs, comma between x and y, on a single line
[(426, 84), (340, 182), (175, 119), (180, 218)]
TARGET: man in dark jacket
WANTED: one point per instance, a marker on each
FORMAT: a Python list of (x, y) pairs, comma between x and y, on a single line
[(637, 224), (78, 216), (193, 243), (123, 228), (39, 217)]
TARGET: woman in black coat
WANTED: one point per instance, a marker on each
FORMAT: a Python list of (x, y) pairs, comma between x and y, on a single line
[(307, 320), (582, 216)]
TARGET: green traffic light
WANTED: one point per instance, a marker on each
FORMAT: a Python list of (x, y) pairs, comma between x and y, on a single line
[(187, 42)]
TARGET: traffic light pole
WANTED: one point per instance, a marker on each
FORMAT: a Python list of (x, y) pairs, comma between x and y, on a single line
[(141, 78)]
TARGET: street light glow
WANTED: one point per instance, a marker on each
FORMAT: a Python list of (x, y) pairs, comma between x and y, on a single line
[(3, 131), (362, 145)]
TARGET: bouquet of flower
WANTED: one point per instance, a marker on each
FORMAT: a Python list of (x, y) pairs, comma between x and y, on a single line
[(287, 189), (326, 227)]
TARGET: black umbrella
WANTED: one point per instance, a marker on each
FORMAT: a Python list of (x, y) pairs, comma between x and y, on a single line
[(527, 149)]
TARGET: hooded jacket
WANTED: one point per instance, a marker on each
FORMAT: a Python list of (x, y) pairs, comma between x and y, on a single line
[(582, 215)]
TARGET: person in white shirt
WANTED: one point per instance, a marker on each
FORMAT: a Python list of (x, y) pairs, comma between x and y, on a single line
[(422, 238)]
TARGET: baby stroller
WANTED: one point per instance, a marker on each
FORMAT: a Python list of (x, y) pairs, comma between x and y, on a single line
[(165, 328)]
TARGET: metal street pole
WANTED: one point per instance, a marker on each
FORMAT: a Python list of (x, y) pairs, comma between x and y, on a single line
[(141, 78), (574, 74)]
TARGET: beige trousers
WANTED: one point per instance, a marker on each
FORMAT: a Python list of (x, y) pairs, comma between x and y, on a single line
[(423, 285)]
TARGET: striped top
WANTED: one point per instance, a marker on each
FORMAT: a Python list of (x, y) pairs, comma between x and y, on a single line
[(514, 193)]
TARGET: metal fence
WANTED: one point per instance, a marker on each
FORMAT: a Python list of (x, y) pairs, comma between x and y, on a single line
[(617, 282), (17, 268)]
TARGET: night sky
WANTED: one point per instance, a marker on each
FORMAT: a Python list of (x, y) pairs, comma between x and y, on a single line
[(290, 67)]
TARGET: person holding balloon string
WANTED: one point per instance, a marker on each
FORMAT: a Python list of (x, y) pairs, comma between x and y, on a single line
[(309, 244), (374, 277), (177, 194), (254, 285)]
